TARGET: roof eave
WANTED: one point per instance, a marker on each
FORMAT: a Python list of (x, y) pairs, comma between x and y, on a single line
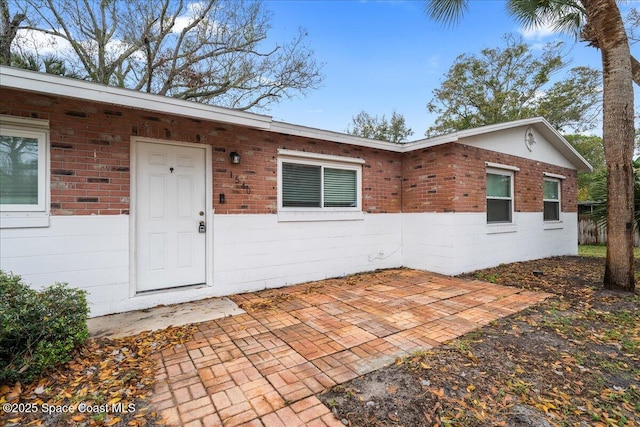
[(73, 88), (539, 123), (32, 81), (562, 145), (326, 135)]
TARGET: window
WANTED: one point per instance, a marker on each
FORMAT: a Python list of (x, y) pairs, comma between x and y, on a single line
[(313, 183), (23, 171), (499, 196), (308, 186), (551, 199)]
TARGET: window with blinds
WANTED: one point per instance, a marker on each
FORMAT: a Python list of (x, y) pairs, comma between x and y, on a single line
[(318, 186), (301, 186), (339, 188)]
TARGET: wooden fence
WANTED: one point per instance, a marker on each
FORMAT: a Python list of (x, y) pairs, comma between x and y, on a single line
[(592, 233)]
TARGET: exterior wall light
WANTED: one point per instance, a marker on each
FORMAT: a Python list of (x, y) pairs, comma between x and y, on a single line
[(235, 158)]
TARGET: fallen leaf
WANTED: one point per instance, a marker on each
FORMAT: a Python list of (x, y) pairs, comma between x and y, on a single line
[(438, 392), (112, 421)]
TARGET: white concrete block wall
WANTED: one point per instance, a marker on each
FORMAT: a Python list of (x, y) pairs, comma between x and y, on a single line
[(454, 243), (88, 252), (428, 241), (256, 251)]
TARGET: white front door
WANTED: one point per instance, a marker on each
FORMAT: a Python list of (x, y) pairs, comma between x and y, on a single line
[(170, 204)]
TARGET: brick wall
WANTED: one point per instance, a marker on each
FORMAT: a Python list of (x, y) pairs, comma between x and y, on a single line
[(452, 178), (90, 157)]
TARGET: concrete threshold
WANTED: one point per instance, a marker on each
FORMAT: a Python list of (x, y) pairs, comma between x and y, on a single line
[(161, 317)]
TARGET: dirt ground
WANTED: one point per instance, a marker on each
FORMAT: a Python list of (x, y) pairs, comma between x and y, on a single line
[(573, 360)]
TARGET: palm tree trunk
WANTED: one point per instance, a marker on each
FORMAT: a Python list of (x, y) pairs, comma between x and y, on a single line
[(603, 17)]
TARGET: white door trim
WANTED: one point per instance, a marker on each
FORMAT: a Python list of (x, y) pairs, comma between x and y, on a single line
[(208, 165)]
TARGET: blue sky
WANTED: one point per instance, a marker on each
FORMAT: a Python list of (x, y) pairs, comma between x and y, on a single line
[(381, 55)]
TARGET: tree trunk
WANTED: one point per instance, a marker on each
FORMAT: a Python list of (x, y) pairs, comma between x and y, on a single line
[(605, 21), (8, 30)]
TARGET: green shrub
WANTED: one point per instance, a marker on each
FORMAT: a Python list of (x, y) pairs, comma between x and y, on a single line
[(38, 329)]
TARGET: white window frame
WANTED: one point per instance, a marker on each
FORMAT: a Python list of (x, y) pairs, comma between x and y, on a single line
[(557, 179), (36, 215), (320, 213), (497, 227)]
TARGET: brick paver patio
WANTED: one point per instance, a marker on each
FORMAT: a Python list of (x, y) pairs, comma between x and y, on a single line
[(264, 368)]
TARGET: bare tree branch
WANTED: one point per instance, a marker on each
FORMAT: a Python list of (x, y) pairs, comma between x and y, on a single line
[(213, 51)]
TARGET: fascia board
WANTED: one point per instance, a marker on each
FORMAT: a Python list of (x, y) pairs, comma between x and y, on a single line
[(430, 142), (325, 135), (562, 145), (458, 135), (63, 86)]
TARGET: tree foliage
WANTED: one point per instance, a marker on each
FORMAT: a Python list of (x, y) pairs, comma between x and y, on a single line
[(513, 82), (592, 149), (374, 127), (599, 194), (212, 51), (49, 64)]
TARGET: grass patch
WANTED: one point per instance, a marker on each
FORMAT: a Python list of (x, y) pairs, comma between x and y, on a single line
[(600, 251)]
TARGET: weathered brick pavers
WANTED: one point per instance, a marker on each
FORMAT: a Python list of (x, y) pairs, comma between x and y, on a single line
[(264, 368)]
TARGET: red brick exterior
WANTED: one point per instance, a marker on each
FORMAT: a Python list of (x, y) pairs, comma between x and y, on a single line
[(91, 151), (452, 178), (90, 157)]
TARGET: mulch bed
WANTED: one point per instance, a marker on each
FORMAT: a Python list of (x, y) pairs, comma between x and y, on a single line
[(573, 360)]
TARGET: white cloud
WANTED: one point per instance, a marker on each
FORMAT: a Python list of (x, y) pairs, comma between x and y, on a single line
[(39, 43), (537, 32), (182, 21), (538, 46)]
